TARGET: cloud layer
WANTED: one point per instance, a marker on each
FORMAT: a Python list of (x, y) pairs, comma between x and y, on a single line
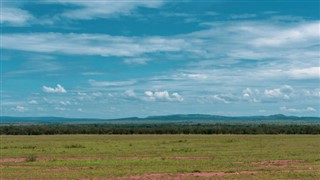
[(137, 58)]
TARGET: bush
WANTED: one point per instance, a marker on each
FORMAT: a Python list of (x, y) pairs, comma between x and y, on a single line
[(74, 146), (31, 158)]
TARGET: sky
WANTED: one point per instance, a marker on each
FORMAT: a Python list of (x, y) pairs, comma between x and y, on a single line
[(113, 59)]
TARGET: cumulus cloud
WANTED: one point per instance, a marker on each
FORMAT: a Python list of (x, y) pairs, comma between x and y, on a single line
[(162, 95), (148, 93), (177, 97), (154, 96), (247, 92), (312, 93), (218, 98), (285, 92), (250, 95), (58, 89), (293, 110), (130, 93)]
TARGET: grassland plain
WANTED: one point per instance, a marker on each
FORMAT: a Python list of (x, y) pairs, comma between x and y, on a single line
[(160, 157)]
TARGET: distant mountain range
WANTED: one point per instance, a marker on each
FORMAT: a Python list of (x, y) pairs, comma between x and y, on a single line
[(195, 118)]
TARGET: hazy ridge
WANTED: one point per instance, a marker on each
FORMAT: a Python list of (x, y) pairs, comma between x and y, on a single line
[(201, 118)]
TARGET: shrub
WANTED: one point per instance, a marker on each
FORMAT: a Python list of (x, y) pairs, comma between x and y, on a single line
[(74, 146), (31, 158)]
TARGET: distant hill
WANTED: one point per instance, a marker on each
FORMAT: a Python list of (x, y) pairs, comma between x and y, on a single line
[(215, 117), (178, 118)]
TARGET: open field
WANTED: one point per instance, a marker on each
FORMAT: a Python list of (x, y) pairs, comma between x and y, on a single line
[(160, 156)]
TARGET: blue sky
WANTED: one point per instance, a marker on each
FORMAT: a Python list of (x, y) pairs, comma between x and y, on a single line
[(111, 59)]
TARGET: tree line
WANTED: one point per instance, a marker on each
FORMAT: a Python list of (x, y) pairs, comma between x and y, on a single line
[(51, 129)]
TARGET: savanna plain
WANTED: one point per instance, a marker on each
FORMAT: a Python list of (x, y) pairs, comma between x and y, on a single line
[(160, 157)]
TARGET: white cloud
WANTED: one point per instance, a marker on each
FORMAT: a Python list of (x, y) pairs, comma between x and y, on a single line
[(130, 93), (258, 40), (218, 98), (58, 89), (141, 61), (60, 109), (305, 73), (195, 76), (103, 9), (82, 94), (162, 95), (312, 93), (33, 102), (14, 16), (242, 16), (92, 44), (241, 40), (286, 18), (247, 92), (19, 108), (97, 94), (273, 93), (110, 83), (299, 35), (293, 110), (148, 93), (65, 103), (285, 92), (211, 13), (250, 95), (34, 66), (177, 97)]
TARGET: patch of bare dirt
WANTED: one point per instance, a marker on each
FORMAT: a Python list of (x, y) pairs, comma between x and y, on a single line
[(206, 174), (79, 159), (65, 168), (150, 176), (18, 167), (212, 174), (299, 170), (189, 175), (278, 163), (186, 157), (13, 160)]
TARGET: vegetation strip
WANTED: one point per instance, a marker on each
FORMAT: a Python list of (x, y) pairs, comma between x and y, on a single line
[(171, 128)]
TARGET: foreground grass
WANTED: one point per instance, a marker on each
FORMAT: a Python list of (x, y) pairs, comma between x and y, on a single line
[(114, 156)]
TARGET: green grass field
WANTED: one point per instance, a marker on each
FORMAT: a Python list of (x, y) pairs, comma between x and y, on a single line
[(160, 156)]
